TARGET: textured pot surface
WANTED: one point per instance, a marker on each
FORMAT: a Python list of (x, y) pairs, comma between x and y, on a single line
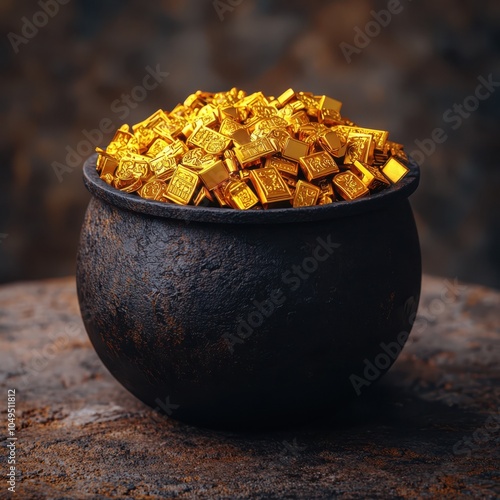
[(226, 318)]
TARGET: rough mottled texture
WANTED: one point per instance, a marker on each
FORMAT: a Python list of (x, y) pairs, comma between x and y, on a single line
[(83, 436), (183, 309)]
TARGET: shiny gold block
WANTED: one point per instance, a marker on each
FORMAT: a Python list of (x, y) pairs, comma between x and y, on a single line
[(176, 150), (326, 187), (229, 126), (306, 194), (285, 97), (132, 167), (208, 139), (128, 186), (278, 137), (371, 178), (240, 195), (182, 185), (106, 165), (325, 199), (156, 147), (241, 136), (248, 154), (270, 186), (267, 125), (163, 166), (349, 186), (394, 170), (204, 198), (359, 147), (295, 149), (318, 165), (214, 174), (197, 158), (154, 189), (231, 161), (379, 136), (330, 142), (330, 104), (285, 167)]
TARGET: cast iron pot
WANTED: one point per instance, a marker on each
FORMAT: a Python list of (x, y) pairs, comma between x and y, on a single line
[(230, 318)]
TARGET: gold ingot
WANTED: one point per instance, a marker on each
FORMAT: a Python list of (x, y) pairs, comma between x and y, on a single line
[(210, 140), (326, 187), (107, 178), (372, 179), (122, 136), (231, 161), (213, 175), (251, 153), (163, 166), (394, 170), (327, 103), (285, 167), (349, 186), (228, 127), (298, 119), (318, 165), (310, 102), (286, 96), (270, 186), (278, 137), (267, 125), (330, 142), (197, 158), (129, 168), (106, 164), (264, 111), (129, 185), (325, 199), (241, 136), (182, 185), (240, 196), (294, 149), (359, 147), (203, 198), (306, 194), (176, 150), (154, 189), (379, 136), (290, 181), (220, 196), (156, 147)]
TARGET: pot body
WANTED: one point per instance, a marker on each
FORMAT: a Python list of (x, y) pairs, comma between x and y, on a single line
[(247, 324)]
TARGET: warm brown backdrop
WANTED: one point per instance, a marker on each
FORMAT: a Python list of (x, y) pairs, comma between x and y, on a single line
[(429, 57)]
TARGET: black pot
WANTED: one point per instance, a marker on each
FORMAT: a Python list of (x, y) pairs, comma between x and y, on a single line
[(221, 317)]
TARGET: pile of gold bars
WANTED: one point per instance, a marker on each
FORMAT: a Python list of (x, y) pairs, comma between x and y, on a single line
[(233, 150)]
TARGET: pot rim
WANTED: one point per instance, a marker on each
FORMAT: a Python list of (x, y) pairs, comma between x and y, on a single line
[(97, 187)]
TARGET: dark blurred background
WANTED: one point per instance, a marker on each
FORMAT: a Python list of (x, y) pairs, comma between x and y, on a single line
[(64, 71)]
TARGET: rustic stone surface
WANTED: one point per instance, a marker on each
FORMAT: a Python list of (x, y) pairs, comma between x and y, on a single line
[(429, 428)]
